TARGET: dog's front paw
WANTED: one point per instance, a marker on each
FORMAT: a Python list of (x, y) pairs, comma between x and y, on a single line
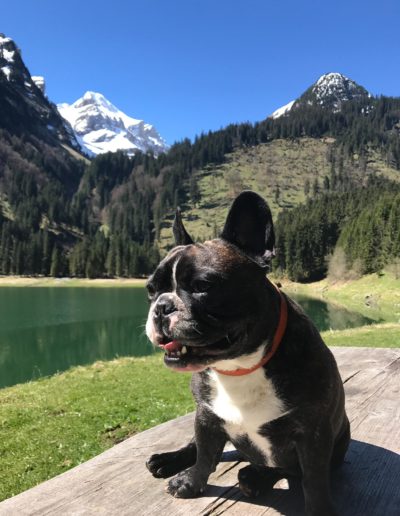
[(185, 485), (164, 465), (161, 465)]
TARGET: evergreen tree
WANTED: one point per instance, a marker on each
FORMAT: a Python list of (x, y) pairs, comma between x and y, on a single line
[(55, 267)]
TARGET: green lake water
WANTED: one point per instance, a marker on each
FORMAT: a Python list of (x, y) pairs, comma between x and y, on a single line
[(45, 330)]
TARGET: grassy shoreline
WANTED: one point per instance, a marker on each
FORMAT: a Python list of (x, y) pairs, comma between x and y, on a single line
[(373, 336), (375, 296), (44, 281)]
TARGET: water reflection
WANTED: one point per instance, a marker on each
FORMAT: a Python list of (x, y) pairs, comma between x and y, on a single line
[(328, 316), (50, 330), (45, 330), (30, 353)]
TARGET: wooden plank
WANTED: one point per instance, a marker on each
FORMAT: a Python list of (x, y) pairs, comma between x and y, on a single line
[(370, 479), (351, 360), (117, 482)]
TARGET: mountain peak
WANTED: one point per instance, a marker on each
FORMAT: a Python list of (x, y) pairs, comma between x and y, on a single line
[(101, 127), (329, 91), (11, 64), (23, 105), (93, 97), (14, 69), (334, 77), (333, 88)]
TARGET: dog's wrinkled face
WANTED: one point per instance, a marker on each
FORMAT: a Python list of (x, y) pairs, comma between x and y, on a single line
[(206, 299), (202, 299)]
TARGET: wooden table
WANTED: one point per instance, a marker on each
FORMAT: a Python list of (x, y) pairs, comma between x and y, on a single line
[(117, 482)]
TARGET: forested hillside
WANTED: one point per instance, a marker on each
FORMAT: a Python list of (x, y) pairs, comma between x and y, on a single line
[(63, 215), (359, 225), (340, 159)]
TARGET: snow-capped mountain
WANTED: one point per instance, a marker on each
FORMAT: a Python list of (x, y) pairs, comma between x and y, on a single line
[(23, 105), (330, 91), (11, 64), (101, 127)]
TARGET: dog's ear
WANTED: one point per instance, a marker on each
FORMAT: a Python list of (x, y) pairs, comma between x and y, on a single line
[(181, 236), (249, 226)]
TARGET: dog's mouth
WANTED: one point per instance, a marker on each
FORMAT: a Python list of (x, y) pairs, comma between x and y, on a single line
[(184, 357)]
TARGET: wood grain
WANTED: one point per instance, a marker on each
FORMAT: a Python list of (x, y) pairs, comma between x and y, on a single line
[(117, 482)]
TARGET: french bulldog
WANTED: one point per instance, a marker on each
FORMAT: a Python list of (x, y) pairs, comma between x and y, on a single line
[(263, 379)]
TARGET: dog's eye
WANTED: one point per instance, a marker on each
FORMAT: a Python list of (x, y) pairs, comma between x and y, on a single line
[(200, 286)]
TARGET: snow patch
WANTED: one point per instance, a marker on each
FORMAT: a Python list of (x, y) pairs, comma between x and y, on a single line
[(7, 71), (40, 82), (282, 110), (4, 39), (8, 55)]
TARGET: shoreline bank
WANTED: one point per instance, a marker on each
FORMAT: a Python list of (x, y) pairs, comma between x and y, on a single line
[(375, 296), (44, 281)]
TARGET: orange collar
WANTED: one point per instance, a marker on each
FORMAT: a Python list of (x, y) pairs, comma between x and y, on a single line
[(280, 330)]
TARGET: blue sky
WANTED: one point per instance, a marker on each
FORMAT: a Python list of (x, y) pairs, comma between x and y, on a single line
[(195, 65)]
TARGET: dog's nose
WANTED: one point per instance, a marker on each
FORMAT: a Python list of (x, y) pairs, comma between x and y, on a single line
[(165, 306)]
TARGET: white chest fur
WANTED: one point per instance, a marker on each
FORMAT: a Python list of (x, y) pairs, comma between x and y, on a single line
[(245, 403)]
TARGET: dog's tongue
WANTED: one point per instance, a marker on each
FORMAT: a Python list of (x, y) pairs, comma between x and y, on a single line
[(172, 346)]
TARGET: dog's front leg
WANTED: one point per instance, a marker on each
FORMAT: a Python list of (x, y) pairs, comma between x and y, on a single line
[(210, 441), (314, 453)]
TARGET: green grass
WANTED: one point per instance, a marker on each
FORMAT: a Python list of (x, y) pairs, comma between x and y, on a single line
[(375, 336), (53, 424)]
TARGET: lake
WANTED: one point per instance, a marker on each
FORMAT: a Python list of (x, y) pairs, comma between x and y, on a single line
[(49, 329)]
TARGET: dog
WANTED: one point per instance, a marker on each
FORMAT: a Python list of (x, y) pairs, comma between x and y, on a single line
[(263, 379)]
